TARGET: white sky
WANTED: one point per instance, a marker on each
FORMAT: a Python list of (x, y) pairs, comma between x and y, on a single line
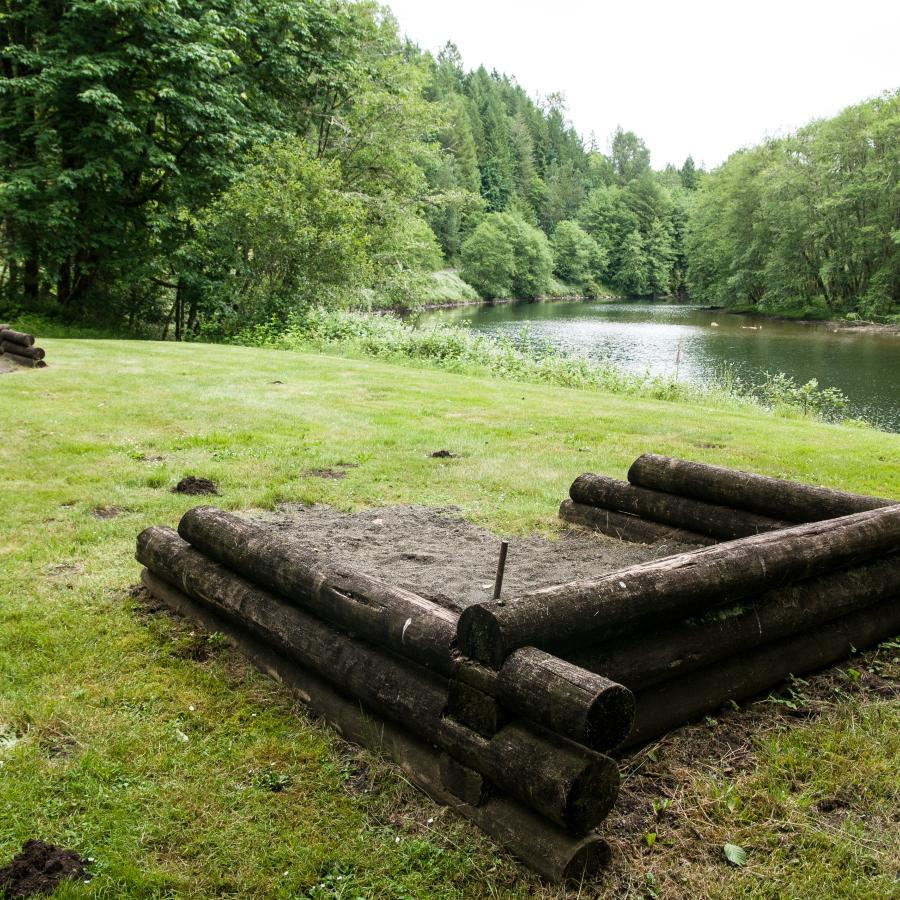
[(688, 76)]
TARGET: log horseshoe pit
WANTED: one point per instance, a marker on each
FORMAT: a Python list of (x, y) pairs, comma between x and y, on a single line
[(508, 710)]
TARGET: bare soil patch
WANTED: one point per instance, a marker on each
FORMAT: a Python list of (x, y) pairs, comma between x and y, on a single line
[(39, 869), (449, 560), (106, 512), (193, 485)]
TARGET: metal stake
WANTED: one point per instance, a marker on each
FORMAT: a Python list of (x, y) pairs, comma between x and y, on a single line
[(501, 567)]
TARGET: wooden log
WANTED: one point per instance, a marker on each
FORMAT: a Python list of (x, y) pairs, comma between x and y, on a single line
[(532, 765), (720, 522), (562, 780), (379, 612), (766, 496), (583, 612), (17, 337), (672, 651), (673, 703), (626, 527), (478, 710), (543, 846), (568, 700), (30, 352), (25, 361)]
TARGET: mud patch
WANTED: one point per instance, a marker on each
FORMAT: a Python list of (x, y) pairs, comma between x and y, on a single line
[(336, 474), (39, 869), (64, 570), (193, 485), (106, 512), (442, 454)]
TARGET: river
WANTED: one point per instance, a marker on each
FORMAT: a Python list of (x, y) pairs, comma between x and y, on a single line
[(697, 344)]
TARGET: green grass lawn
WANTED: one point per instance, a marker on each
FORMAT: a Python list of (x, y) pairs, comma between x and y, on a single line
[(154, 750)]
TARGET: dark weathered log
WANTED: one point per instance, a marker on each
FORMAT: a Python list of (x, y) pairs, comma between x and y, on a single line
[(30, 352), (17, 337), (582, 612), (776, 497), (379, 612), (562, 780), (567, 699), (482, 712), (720, 522), (25, 361), (627, 527), (673, 703), (543, 846), (674, 650), (534, 766)]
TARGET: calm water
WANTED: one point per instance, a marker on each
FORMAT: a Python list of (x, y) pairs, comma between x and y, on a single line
[(642, 336)]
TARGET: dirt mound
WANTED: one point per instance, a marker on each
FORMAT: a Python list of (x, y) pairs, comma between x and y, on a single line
[(38, 869), (193, 485)]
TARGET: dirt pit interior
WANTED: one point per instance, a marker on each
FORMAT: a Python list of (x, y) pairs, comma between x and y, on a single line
[(439, 555)]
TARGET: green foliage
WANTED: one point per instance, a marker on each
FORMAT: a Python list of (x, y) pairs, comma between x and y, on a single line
[(578, 257), (507, 257), (284, 234), (804, 220)]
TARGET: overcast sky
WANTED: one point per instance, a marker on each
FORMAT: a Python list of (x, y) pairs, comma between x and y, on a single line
[(688, 76)]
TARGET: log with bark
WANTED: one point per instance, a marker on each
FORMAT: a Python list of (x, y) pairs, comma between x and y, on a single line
[(720, 522), (568, 783), (673, 703), (766, 496), (17, 337), (583, 612), (25, 361), (379, 612), (626, 527), (661, 654), (544, 847), (30, 352)]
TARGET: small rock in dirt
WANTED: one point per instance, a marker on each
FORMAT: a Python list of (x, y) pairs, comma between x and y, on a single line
[(39, 869), (442, 454), (192, 485), (106, 512)]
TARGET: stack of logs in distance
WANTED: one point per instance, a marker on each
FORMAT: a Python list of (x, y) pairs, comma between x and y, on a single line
[(18, 347), (507, 710)]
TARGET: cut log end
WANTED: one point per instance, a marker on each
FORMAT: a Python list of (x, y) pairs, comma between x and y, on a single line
[(479, 635), (610, 718)]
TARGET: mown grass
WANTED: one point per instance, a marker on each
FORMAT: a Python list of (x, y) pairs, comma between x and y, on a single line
[(151, 749)]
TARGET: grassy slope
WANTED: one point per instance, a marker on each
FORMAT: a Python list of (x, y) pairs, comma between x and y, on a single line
[(97, 698)]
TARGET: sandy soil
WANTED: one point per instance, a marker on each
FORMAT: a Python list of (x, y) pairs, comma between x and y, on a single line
[(436, 553)]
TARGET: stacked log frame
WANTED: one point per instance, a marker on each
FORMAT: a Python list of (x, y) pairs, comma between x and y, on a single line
[(507, 710), (18, 347)]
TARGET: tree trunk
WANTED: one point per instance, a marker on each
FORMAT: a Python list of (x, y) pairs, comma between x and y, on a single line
[(568, 783), (776, 497), (179, 312), (718, 522), (626, 527), (381, 613), (582, 612), (540, 844), (673, 703), (646, 659)]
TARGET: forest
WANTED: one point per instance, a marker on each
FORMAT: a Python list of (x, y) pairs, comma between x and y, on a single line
[(192, 168)]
